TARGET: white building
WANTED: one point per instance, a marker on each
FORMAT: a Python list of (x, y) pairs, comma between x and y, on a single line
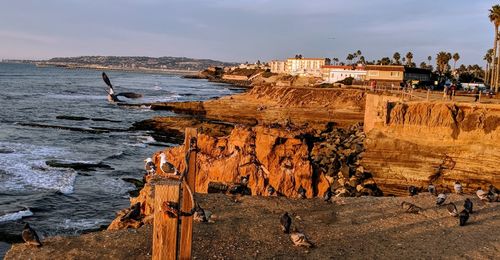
[(332, 74), (305, 66), (278, 66)]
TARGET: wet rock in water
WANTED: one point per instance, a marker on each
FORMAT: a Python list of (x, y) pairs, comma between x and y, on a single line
[(79, 166), (138, 183), (74, 118)]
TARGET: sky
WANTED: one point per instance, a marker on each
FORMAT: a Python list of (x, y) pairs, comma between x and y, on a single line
[(239, 31)]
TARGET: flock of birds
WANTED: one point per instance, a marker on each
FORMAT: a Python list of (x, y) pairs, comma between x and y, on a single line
[(299, 239), (463, 216)]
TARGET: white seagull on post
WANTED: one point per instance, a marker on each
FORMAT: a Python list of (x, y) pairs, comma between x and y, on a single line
[(165, 166)]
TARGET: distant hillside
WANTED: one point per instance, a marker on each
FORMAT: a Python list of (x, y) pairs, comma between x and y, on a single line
[(164, 63)]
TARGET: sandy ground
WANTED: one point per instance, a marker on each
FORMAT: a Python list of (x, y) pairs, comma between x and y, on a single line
[(354, 228)]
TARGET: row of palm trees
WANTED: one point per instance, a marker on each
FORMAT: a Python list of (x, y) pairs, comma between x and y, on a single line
[(492, 56)]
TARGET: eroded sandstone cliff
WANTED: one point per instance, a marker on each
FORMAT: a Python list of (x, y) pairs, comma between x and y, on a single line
[(416, 143)]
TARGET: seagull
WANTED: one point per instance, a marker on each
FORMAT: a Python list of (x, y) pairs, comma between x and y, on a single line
[(302, 192), (440, 199), (468, 205), (458, 187), (270, 190), (112, 97), (286, 222), (412, 190), (149, 166), (410, 208), (452, 209), (199, 214), (165, 166), (482, 195), (431, 188), (463, 217), (30, 236), (493, 193), (327, 195), (299, 239), (133, 213)]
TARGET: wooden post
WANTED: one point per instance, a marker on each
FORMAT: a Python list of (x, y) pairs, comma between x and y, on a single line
[(165, 227), (428, 94), (187, 221), (479, 99)]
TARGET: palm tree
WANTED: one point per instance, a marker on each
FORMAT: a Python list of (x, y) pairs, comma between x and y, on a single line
[(385, 61), (336, 60), (495, 19), (455, 57), (423, 65), (488, 57), (442, 60), (396, 57), (429, 58), (362, 59), (409, 57), (350, 57)]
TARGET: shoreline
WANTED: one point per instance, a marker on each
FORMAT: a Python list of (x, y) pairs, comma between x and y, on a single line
[(98, 67)]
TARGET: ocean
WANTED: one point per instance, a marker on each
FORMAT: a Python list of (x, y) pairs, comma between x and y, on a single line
[(64, 201)]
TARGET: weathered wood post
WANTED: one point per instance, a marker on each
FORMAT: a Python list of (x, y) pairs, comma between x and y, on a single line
[(190, 144), (165, 227), (166, 245)]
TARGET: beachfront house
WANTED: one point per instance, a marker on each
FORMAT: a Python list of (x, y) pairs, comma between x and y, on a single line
[(417, 75), (335, 73), (389, 74)]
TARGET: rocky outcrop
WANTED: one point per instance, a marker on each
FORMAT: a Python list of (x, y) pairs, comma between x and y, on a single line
[(420, 142)]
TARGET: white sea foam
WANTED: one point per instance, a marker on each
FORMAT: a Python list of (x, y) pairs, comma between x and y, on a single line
[(25, 169), (82, 224), (16, 215)]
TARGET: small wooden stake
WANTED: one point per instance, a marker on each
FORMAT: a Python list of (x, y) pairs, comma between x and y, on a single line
[(187, 221), (165, 227)]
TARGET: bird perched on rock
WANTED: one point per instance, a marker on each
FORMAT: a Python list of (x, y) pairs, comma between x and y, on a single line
[(412, 190), (244, 180), (431, 188), (299, 239), (286, 222), (452, 209), (458, 187), (468, 205), (410, 208), (270, 190), (463, 217), (133, 213), (493, 193), (302, 192), (165, 166), (30, 236), (149, 166), (482, 195), (440, 199), (327, 195), (199, 214)]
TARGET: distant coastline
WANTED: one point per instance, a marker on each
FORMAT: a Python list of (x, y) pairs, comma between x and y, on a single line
[(100, 67)]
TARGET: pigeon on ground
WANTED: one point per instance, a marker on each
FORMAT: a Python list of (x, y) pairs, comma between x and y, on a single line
[(302, 192), (493, 193), (463, 217), (133, 213), (468, 205), (452, 209), (149, 166), (431, 188), (286, 222), (458, 187), (30, 236), (440, 199), (199, 214), (412, 190), (410, 208), (327, 195), (482, 195), (244, 180), (165, 166), (270, 190), (299, 239)]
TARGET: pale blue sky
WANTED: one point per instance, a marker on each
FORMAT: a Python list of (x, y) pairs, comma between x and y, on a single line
[(233, 30)]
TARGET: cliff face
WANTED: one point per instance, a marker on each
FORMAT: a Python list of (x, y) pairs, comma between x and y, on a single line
[(420, 142)]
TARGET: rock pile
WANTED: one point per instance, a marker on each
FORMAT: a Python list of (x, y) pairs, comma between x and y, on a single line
[(336, 155)]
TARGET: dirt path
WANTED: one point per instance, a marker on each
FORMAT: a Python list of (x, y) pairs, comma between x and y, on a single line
[(354, 228)]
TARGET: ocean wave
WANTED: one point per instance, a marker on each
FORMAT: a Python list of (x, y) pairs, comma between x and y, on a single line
[(25, 169), (16, 215)]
